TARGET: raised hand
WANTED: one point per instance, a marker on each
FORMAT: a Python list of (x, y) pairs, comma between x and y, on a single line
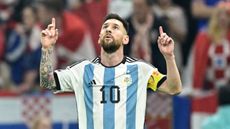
[(165, 43), (49, 36)]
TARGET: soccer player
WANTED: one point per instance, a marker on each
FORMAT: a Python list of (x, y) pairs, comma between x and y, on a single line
[(111, 89)]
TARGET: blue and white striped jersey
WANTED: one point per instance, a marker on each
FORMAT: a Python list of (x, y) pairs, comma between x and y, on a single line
[(109, 97)]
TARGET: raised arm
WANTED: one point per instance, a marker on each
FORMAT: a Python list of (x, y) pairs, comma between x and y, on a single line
[(48, 39), (172, 85)]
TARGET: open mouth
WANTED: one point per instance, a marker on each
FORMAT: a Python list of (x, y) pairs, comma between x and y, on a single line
[(108, 36)]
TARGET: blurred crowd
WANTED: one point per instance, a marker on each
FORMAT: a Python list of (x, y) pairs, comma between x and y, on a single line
[(200, 29)]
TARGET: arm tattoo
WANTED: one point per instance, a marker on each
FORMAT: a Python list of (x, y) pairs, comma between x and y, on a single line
[(46, 69)]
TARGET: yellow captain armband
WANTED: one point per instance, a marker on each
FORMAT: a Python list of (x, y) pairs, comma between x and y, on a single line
[(155, 80)]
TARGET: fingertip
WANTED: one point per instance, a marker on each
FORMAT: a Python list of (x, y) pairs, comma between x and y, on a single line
[(161, 30), (53, 21)]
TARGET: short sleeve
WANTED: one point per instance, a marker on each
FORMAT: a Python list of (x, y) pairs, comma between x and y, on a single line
[(156, 79), (63, 79)]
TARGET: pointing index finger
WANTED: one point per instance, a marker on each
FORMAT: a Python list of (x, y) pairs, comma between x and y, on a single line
[(53, 22), (161, 30)]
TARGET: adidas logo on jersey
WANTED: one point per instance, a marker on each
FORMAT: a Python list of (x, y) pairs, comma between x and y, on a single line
[(92, 82)]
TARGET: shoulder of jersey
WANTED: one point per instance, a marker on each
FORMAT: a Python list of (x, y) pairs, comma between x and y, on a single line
[(131, 59), (96, 60), (77, 62)]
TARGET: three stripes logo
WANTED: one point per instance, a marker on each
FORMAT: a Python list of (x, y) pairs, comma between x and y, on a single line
[(92, 82)]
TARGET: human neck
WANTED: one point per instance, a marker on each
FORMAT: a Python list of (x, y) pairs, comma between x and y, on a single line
[(112, 59)]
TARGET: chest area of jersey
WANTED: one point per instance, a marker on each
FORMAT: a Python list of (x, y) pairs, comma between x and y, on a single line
[(110, 85), (120, 76)]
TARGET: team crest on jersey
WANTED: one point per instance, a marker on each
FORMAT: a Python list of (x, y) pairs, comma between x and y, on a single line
[(127, 80)]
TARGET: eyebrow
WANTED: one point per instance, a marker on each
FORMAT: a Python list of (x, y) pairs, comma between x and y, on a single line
[(113, 23)]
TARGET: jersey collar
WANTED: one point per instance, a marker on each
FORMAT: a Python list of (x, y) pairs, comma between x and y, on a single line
[(122, 62)]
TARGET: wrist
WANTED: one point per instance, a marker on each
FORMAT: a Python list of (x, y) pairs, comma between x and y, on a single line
[(169, 57), (47, 48)]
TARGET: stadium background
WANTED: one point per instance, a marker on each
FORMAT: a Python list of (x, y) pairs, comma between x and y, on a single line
[(23, 101)]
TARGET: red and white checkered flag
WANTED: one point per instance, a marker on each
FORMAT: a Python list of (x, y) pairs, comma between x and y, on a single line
[(34, 106)]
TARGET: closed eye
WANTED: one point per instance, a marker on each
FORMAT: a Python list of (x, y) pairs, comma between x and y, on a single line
[(116, 27), (105, 26)]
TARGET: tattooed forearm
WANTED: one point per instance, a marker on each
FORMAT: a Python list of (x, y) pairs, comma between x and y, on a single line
[(46, 69)]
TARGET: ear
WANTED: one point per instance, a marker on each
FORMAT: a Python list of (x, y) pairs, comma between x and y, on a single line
[(125, 39)]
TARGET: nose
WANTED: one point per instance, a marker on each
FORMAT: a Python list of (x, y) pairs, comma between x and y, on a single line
[(108, 30)]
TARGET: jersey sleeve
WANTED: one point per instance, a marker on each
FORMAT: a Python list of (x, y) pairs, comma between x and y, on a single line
[(63, 79), (156, 79)]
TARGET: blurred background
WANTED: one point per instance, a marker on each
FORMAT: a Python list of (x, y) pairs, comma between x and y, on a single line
[(200, 29)]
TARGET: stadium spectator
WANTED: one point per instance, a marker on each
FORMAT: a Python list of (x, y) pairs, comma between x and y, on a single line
[(143, 33), (203, 10), (6, 9), (5, 81), (23, 52), (209, 65), (17, 9)]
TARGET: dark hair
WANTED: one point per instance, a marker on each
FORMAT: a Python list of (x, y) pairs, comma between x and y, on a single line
[(117, 17), (54, 5)]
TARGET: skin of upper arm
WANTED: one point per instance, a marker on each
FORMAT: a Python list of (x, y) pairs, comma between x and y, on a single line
[(164, 88)]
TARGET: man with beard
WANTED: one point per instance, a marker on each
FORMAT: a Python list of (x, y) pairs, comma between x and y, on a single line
[(111, 89)]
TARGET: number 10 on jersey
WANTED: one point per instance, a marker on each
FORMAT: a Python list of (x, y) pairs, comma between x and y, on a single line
[(112, 95)]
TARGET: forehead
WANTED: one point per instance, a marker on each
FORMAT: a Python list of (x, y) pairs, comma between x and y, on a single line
[(113, 21)]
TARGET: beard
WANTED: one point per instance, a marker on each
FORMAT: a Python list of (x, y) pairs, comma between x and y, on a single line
[(110, 46)]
